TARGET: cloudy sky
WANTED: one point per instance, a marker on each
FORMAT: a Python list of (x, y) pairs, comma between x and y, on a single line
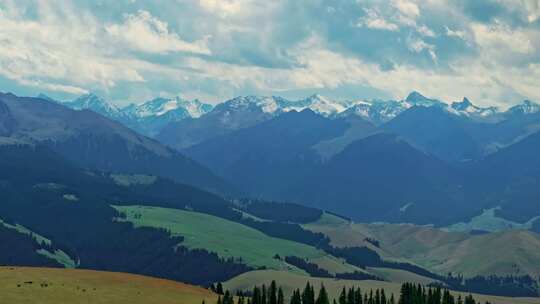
[(133, 50)]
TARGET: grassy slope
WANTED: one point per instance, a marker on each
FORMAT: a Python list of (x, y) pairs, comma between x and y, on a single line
[(290, 281), (510, 252), (86, 286), (226, 238), (58, 255)]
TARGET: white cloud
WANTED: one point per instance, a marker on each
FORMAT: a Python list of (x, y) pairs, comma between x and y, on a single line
[(226, 8), (501, 39), (407, 8), (146, 33), (425, 31), (419, 45), (374, 21), (455, 33), (70, 49), (57, 52)]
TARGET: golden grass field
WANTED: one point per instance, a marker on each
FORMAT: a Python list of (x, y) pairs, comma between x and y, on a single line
[(73, 286)]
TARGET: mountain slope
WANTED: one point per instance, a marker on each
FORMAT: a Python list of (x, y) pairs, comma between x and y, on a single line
[(51, 197), (436, 132), (95, 142), (279, 151), (383, 178), (232, 115), (510, 178)]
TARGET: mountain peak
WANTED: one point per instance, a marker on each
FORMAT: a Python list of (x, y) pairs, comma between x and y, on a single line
[(464, 105), (415, 97), (176, 106), (526, 107), (46, 97), (95, 103)]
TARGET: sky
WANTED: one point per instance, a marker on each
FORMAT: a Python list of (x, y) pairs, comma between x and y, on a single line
[(135, 50)]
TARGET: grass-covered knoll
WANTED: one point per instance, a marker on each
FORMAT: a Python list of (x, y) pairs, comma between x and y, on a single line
[(514, 252), (226, 238), (290, 281), (489, 221), (400, 276), (133, 179), (24, 285), (344, 233)]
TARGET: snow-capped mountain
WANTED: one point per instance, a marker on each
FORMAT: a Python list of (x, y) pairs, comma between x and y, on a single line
[(148, 117), (526, 107), (318, 104), (276, 105), (381, 111), (96, 104), (161, 106), (467, 108)]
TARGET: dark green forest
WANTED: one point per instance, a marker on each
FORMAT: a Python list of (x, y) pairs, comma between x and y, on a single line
[(409, 294)]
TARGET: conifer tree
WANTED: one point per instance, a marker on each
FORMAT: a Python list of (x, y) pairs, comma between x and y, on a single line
[(469, 300), (280, 296), (358, 296), (343, 297), (264, 295), (323, 296), (350, 296), (219, 288), (272, 291)]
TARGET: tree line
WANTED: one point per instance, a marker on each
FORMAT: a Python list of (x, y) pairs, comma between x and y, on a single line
[(409, 294)]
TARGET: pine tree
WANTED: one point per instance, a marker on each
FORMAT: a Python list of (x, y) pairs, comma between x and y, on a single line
[(343, 297), (219, 288), (358, 296), (469, 300), (350, 296), (256, 297), (264, 295), (308, 296), (280, 296), (323, 296), (273, 293)]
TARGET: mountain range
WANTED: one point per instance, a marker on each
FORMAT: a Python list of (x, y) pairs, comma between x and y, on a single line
[(80, 189), (396, 160)]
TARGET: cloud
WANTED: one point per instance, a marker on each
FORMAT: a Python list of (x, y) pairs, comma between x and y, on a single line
[(224, 8), (218, 49), (500, 38), (418, 45), (146, 33), (407, 8), (374, 21)]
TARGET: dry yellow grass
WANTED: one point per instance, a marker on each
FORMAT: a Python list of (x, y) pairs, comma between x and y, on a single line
[(54, 286)]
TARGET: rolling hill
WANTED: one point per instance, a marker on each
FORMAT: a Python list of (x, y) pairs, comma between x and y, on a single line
[(27, 285), (502, 253)]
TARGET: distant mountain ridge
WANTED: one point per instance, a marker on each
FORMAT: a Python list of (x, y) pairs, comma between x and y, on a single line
[(162, 114), (96, 142)]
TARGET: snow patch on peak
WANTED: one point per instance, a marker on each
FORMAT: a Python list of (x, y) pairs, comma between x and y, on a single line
[(161, 106), (526, 107), (95, 103)]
